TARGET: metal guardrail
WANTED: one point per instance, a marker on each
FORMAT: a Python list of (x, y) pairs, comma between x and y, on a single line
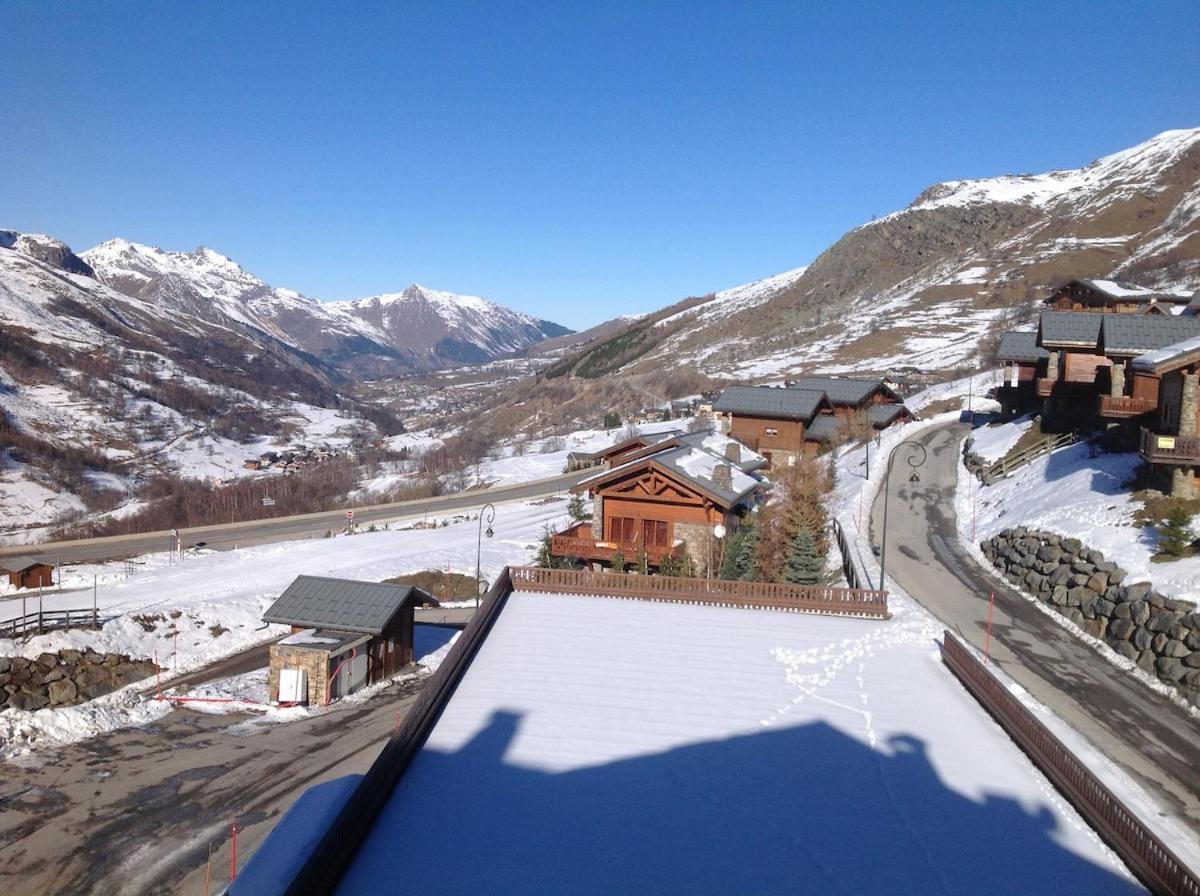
[(1002, 468), (713, 592), (1140, 849), (49, 620), (854, 576)]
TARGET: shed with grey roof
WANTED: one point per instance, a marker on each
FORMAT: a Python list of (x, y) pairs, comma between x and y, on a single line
[(27, 572), (345, 635)]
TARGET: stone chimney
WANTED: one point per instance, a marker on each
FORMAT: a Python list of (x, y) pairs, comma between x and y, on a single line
[(722, 477), (733, 453)]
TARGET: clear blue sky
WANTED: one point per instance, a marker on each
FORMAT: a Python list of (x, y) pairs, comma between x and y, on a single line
[(573, 160)]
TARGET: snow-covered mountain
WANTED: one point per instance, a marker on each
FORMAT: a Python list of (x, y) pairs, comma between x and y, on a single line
[(931, 285), (440, 329), (417, 329)]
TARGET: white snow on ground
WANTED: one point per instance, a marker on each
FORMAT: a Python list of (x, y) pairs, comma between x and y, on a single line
[(813, 733), (851, 504), (1075, 494), (232, 589), (993, 442)]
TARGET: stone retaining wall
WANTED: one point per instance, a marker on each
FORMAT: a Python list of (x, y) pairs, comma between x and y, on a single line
[(1160, 634), (66, 678)]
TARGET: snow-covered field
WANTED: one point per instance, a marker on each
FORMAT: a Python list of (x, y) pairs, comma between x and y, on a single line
[(164, 605)]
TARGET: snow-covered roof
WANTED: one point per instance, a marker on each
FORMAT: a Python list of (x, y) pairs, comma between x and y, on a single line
[(1167, 356), (596, 746), (1134, 293)]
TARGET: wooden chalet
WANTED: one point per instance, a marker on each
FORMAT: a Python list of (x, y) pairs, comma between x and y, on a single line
[(27, 572), (672, 495), (1116, 297), (1022, 359), (1170, 440), (345, 635), (806, 416)]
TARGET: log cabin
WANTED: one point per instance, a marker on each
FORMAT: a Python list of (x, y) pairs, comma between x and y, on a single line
[(345, 636), (1117, 297), (673, 495), (27, 572), (772, 421)]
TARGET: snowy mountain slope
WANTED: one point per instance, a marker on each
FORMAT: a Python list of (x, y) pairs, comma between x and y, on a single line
[(929, 285), (417, 329), (442, 328)]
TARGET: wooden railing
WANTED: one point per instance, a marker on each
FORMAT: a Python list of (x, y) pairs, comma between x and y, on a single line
[(717, 592), (1143, 852), (1125, 406), (1169, 449), (48, 620), (1003, 467), (577, 542)]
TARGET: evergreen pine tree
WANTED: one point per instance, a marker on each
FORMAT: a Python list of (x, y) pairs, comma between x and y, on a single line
[(804, 565), (575, 508), (1174, 533), (733, 547), (545, 559), (669, 565), (746, 562), (618, 561)]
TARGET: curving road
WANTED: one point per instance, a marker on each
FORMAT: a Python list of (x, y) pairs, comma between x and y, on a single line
[(225, 536), (1140, 730)]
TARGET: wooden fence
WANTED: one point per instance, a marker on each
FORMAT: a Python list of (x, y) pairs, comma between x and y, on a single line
[(715, 592), (1003, 467), (1143, 852), (37, 623)]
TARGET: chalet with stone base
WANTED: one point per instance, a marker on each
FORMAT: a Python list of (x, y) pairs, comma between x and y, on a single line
[(1170, 440), (345, 636), (1022, 360), (684, 492)]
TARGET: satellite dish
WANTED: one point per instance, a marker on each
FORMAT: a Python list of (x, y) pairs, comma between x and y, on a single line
[(719, 530)]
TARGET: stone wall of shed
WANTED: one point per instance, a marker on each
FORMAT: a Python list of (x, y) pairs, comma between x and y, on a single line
[(314, 662), (1161, 635)]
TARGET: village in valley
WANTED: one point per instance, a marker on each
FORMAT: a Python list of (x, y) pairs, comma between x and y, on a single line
[(880, 574)]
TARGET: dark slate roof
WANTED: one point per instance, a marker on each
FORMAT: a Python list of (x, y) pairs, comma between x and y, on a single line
[(20, 564), (765, 401), (842, 390), (823, 429), (881, 415), (1070, 328), (1016, 345), (1137, 333), (342, 604)]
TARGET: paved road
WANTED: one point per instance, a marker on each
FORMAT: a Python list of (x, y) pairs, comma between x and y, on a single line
[(226, 536), (1151, 738), (135, 811)]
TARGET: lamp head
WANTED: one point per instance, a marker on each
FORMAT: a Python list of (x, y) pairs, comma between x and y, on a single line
[(489, 532)]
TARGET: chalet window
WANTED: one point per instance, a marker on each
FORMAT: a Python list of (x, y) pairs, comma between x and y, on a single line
[(772, 431), (654, 533), (622, 529)]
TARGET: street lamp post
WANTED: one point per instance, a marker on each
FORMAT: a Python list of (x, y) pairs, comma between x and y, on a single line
[(490, 510), (914, 476)]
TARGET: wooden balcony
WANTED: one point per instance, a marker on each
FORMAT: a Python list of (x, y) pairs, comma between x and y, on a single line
[(577, 542), (1124, 406), (1161, 448)]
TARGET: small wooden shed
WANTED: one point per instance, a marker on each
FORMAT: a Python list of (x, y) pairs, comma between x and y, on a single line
[(27, 572), (345, 635)]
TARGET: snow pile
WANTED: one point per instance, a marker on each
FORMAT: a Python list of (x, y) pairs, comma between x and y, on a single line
[(993, 442)]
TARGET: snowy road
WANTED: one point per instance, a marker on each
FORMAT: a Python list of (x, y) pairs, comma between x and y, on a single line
[(1137, 728)]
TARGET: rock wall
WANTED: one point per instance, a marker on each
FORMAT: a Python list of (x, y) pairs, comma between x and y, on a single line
[(66, 678), (1160, 634)]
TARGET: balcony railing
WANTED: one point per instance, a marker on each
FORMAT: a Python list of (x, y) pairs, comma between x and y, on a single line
[(1125, 406), (578, 542), (1162, 448)]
